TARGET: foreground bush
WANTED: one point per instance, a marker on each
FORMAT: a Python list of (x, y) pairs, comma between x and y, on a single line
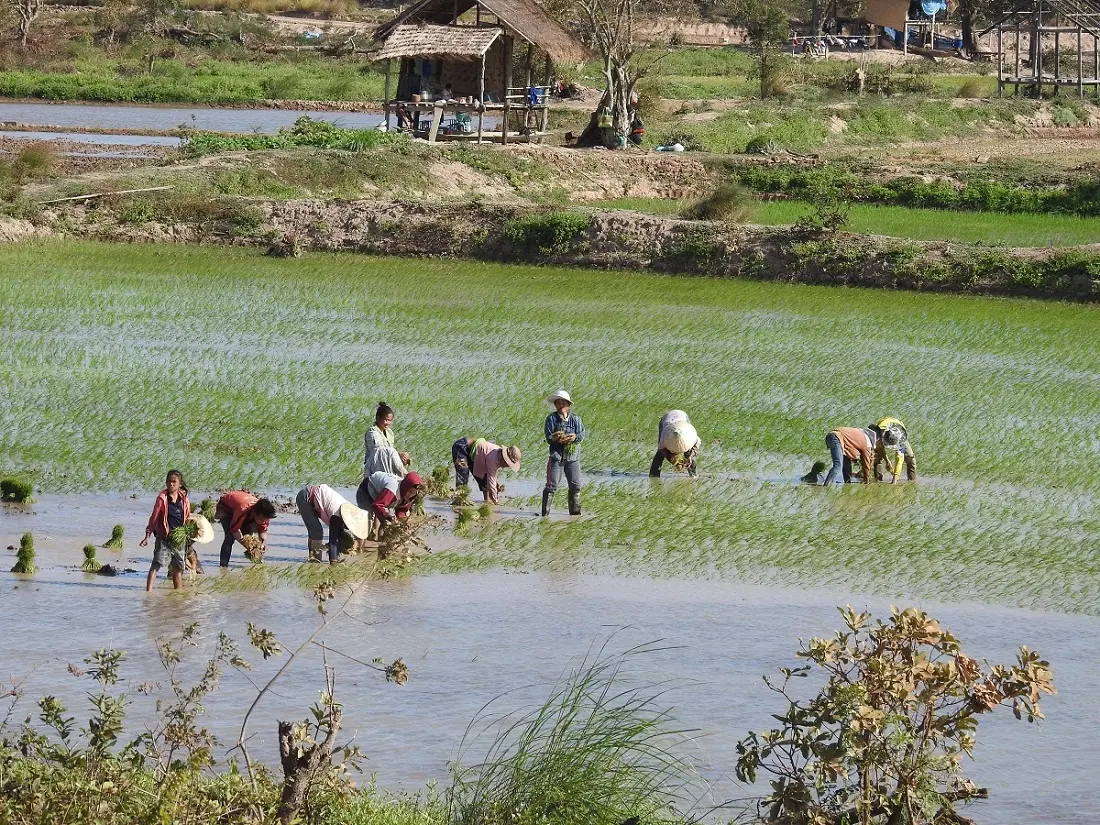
[(884, 738)]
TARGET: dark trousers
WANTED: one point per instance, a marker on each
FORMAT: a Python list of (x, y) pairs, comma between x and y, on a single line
[(842, 465), (315, 528), (462, 460), (227, 543), (362, 496)]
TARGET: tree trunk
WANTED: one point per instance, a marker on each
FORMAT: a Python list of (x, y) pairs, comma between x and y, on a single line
[(300, 769), (969, 35)]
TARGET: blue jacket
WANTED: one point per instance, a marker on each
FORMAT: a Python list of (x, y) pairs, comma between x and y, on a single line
[(560, 452)]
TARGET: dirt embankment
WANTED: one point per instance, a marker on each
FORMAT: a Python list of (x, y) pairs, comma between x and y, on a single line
[(609, 240)]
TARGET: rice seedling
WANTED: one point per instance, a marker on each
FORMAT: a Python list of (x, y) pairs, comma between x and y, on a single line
[(254, 549), (596, 751), (439, 483), (485, 511), (208, 507), (16, 491), (461, 497), (91, 563), (115, 541), (24, 557), (180, 537)]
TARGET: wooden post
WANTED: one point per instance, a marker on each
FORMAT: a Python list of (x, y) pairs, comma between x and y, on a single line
[(509, 47), (481, 98), (546, 96), (1000, 64), (1057, 60), (1017, 57), (437, 116), (386, 102), (1096, 64), (1080, 67), (905, 36)]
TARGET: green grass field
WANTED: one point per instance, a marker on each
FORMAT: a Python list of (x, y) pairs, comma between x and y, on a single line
[(1015, 230), (121, 361)]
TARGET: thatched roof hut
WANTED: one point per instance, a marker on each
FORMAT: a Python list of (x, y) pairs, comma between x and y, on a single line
[(457, 58)]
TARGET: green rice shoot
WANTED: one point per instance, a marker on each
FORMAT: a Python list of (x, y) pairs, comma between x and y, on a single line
[(115, 541), (24, 558)]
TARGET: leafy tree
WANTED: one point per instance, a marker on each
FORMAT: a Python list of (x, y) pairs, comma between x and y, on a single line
[(767, 27), (883, 740)]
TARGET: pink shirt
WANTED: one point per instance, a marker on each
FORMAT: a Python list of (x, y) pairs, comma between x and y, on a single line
[(488, 459)]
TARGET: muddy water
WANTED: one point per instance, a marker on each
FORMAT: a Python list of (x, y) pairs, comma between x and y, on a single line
[(243, 121), (266, 121), (469, 638)]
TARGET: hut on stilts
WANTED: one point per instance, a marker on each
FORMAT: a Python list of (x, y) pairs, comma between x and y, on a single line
[(1032, 52), (457, 62)]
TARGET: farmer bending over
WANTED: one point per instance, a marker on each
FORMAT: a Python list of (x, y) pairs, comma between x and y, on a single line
[(320, 505), (895, 438), (677, 443), (462, 457), (489, 459), (846, 444), (388, 498), (243, 514)]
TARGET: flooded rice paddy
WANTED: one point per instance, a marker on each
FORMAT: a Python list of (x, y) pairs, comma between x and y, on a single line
[(471, 637), (120, 362)]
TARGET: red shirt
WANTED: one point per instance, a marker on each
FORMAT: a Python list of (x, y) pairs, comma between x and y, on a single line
[(158, 521), (237, 505)]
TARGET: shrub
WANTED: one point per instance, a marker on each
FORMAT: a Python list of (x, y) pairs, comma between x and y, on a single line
[(16, 490), (551, 233), (729, 202), (884, 738), (595, 752), (35, 160), (971, 88)]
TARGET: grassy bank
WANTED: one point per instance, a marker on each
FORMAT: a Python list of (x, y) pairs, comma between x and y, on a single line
[(993, 229), (115, 372)]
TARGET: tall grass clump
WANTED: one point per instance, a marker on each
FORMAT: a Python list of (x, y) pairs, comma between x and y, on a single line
[(596, 752), (16, 490), (730, 202), (115, 541), (91, 563), (24, 558)]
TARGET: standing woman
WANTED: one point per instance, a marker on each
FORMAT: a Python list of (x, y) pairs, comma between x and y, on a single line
[(171, 509), (564, 432), (380, 454)]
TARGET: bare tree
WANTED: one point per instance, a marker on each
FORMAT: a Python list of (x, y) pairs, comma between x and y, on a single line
[(28, 11), (610, 28)]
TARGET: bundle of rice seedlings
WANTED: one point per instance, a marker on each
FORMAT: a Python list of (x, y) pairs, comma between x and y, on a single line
[(180, 537), (16, 490), (91, 563), (485, 511), (115, 541), (253, 548), (24, 559), (208, 507), (439, 483), (461, 497)]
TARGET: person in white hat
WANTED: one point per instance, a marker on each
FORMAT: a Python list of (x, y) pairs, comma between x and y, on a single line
[(488, 460), (320, 505), (564, 433), (677, 443)]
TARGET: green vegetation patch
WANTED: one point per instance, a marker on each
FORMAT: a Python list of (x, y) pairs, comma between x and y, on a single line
[(765, 371)]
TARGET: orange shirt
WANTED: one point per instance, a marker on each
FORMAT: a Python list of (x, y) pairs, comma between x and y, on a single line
[(856, 444)]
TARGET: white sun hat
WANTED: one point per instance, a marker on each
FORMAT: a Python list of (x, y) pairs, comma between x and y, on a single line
[(681, 437), (559, 395), (206, 532), (356, 520)]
